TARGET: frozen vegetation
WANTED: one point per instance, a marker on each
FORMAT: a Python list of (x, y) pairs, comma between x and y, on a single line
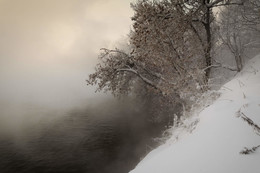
[(222, 138)]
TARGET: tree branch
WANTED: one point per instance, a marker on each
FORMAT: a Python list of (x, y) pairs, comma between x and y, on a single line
[(144, 79), (107, 51), (199, 37), (216, 3), (222, 66)]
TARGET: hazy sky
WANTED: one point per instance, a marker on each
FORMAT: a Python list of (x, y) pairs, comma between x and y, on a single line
[(48, 48)]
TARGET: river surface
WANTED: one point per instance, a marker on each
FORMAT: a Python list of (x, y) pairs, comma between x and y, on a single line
[(84, 141)]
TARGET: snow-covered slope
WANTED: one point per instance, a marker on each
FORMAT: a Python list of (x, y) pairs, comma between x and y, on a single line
[(215, 144)]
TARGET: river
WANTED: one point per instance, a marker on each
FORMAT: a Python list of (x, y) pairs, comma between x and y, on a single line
[(95, 140)]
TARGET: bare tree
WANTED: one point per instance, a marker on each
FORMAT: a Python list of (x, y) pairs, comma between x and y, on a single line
[(202, 13), (163, 41), (164, 55), (231, 33), (237, 32), (169, 52), (251, 14)]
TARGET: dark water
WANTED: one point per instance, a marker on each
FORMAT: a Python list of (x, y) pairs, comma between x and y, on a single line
[(86, 141)]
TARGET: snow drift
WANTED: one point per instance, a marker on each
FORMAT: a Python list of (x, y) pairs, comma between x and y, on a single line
[(215, 137)]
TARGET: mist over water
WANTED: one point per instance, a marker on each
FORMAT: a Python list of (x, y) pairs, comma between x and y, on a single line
[(108, 137), (50, 120), (47, 50)]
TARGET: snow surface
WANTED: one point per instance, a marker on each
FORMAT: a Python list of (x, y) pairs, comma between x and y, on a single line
[(213, 139)]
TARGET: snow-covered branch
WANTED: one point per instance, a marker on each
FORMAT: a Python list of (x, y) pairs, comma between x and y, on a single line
[(218, 3), (144, 79), (221, 66), (108, 51)]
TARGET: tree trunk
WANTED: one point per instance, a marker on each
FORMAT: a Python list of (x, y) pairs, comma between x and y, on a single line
[(239, 62), (209, 45)]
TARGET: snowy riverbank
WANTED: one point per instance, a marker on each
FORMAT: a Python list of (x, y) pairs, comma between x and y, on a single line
[(220, 135)]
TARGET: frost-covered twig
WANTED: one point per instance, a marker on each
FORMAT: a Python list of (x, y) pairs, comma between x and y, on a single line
[(249, 121), (256, 129), (241, 84), (227, 88), (249, 150), (221, 65)]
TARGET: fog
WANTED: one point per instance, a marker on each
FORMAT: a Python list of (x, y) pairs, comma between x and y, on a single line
[(47, 50)]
